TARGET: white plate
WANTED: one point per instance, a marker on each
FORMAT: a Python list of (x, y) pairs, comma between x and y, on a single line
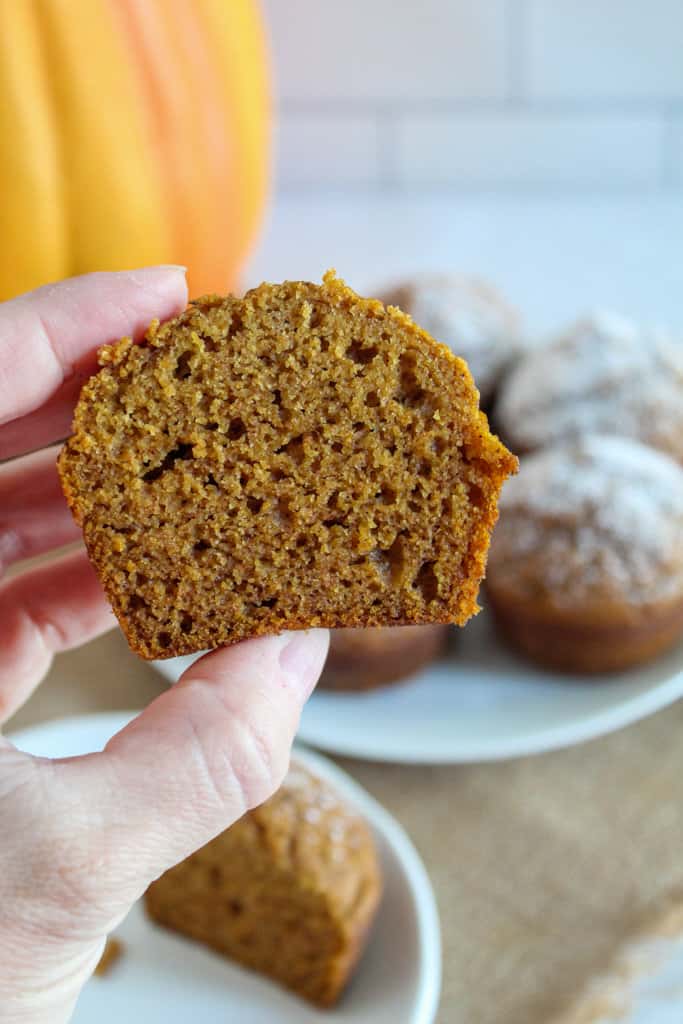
[(164, 979), (481, 703)]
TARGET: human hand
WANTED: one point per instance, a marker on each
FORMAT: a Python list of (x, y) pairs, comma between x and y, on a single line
[(82, 838)]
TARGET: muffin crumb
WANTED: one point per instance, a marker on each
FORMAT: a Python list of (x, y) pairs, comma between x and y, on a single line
[(300, 457)]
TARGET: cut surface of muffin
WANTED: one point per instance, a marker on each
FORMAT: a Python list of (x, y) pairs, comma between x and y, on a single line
[(289, 890), (299, 457)]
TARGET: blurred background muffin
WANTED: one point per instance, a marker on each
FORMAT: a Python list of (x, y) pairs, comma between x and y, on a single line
[(467, 314), (362, 659), (602, 374), (290, 890), (586, 567)]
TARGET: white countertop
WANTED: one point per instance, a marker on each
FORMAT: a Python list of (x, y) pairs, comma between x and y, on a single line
[(554, 256)]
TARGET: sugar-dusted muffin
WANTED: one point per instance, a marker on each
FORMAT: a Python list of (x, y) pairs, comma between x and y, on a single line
[(467, 314), (586, 567), (299, 457), (362, 659), (290, 890), (602, 375)]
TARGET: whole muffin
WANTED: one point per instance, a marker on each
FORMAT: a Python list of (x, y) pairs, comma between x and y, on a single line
[(468, 315), (586, 567), (362, 659), (603, 375), (290, 890)]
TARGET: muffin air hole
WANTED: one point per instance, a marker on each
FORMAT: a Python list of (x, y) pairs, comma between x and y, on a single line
[(181, 453), (427, 582), (236, 429), (359, 354), (183, 369)]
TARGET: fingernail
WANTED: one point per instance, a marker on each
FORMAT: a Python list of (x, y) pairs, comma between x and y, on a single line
[(302, 657), (155, 269)]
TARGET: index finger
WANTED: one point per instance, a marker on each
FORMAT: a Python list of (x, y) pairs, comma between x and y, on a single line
[(50, 336)]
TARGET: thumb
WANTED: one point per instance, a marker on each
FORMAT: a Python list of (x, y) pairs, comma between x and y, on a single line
[(207, 750)]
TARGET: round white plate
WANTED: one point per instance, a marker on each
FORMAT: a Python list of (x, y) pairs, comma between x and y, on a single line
[(481, 703), (165, 979)]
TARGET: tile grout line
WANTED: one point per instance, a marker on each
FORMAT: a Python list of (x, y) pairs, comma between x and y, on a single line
[(516, 22), (669, 179), (551, 106), (387, 149), (509, 190)]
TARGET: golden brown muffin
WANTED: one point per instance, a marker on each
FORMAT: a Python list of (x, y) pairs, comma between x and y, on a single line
[(603, 375), (300, 457), (290, 890), (586, 568), (467, 314), (362, 659)]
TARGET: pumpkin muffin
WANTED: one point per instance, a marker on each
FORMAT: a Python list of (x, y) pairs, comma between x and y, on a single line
[(586, 568), (603, 375), (290, 890), (298, 457), (467, 314), (362, 659)]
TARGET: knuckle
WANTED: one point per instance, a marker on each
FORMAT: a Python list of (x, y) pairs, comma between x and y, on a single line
[(83, 889), (258, 761), (71, 863), (77, 872), (11, 546), (242, 760), (71, 870)]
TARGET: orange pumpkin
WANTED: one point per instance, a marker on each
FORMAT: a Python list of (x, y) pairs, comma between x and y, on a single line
[(131, 132)]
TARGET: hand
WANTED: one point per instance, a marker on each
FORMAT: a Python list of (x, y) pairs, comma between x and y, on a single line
[(81, 838)]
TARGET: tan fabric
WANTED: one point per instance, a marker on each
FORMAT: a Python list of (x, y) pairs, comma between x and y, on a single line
[(544, 868)]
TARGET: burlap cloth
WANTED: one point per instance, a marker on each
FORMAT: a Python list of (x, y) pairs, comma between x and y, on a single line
[(544, 868)]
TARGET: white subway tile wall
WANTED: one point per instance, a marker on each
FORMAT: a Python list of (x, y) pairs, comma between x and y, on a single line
[(339, 148), (604, 49), (386, 50), (505, 94), (528, 149)]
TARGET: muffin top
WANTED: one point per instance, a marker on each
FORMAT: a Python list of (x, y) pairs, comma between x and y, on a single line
[(468, 315), (308, 830), (591, 522), (602, 375)]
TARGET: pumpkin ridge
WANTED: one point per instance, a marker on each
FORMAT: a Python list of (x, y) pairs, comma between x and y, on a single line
[(236, 42), (135, 21), (30, 157), (133, 132), (216, 146), (112, 201)]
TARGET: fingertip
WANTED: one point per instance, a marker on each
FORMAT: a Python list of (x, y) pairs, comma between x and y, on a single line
[(302, 658), (291, 659), (167, 281), (50, 332)]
